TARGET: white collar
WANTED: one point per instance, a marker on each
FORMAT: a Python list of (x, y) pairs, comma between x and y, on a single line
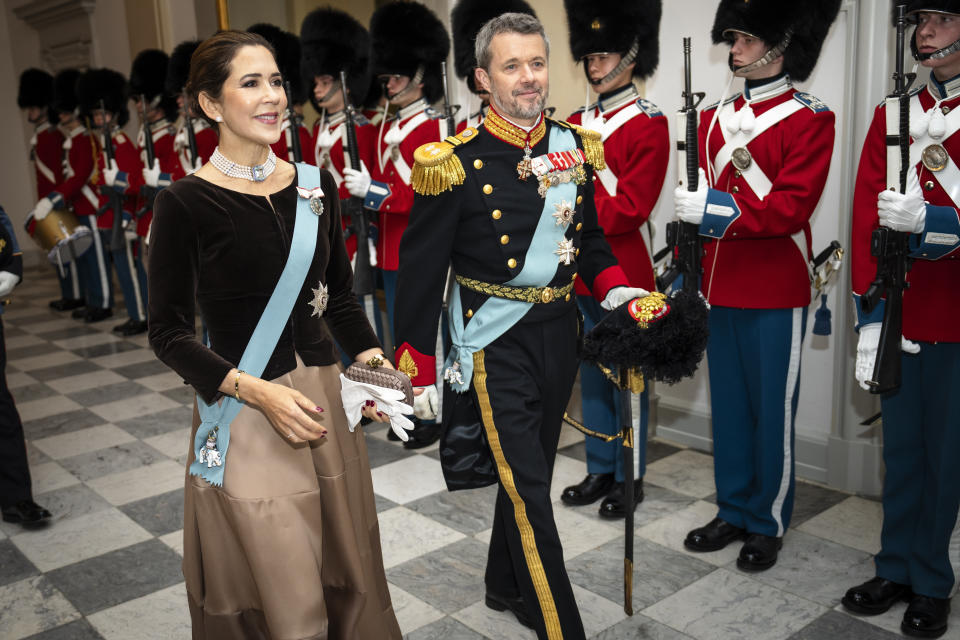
[(623, 96), (759, 93), (944, 90), (411, 109)]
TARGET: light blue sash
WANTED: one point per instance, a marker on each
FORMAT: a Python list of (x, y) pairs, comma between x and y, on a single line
[(216, 418), (497, 315)]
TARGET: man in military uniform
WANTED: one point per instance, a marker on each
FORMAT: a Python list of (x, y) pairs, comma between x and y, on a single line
[(466, 19), (16, 496), (511, 206), (917, 561), (204, 137), (102, 98), (616, 43), (767, 155), (46, 151), (77, 191), (409, 46)]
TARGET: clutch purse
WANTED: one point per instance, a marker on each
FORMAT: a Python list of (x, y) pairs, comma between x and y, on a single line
[(381, 377)]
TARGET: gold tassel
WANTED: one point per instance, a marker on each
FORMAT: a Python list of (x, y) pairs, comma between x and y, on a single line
[(436, 169), (592, 147)]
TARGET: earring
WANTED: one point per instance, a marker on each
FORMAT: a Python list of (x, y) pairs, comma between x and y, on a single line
[(219, 118)]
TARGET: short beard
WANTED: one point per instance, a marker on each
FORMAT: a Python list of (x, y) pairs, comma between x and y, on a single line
[(511, 107)]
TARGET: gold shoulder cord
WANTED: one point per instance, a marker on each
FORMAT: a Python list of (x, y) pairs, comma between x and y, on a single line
[(436, 168)]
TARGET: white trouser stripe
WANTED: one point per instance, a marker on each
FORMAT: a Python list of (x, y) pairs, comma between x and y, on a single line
[(953, 551), (793, 372), (134, 277), (101, 265)]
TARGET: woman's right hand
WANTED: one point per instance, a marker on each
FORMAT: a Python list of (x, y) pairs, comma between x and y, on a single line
[(291, 414)]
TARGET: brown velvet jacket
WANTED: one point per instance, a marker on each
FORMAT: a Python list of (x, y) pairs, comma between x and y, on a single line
[(224, 251)]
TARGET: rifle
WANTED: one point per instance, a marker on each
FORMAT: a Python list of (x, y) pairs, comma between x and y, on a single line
[(294, 119), (683, 238), (449, 110), (891, 248), (191, 136), (363, 273), (114, 198), (148, 193)]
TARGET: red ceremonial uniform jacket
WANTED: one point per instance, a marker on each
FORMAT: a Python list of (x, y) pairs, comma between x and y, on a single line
[(128, 161), (413, 125), (475, 120), (166, 155), (636, 147), (79, 153), (760, 252), (205, 136), (284, 146), (329, 138), (931, 304), (46, 151)]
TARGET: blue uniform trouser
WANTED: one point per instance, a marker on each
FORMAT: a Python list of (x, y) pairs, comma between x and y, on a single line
[(132, 278), (390, 293), (69, 281), (920, 543), (94, 269), (601, 410), (754, 362)]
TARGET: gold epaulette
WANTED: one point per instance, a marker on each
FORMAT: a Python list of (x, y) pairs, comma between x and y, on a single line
[(592, 143), (436, 168)]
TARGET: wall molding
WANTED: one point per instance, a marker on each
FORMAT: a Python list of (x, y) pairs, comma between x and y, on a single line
[(40, 14)]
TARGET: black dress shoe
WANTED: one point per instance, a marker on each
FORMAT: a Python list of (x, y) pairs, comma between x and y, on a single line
[(759, 552), (875, 596), (614, 506), (79, 313), (66, 304), (26, 512), (96, 314), (423, 435), (515, 605), (926, 617), (591, 489), (130, 328), (713, 536)]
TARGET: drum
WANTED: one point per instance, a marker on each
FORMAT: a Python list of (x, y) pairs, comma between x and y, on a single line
[(61, 235)]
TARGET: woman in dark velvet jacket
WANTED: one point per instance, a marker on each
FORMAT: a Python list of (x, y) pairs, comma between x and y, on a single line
[(289, 546)]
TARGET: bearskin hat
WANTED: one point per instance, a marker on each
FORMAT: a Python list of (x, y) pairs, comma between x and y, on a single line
[(807, 23), (64, 98), (407, 35), (36, 89), (147, 76), (938, 6), (107, 85), (287, 47), (331, 41), (178, 67), (598, 26), (662, 336), (466, 20)]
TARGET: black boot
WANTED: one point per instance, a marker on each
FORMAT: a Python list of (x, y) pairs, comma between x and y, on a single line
[(27, 513), (97, 314), (515, 605), (591, 489), (423, 435), (926, 617), (713, 536), (614, 506), (759, 552), (875, 596), (66, 304)]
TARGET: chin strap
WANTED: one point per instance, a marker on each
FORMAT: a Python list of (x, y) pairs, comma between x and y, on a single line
[(628, 58), (939, 54), (414, 81), (329, 94), (767, 58)]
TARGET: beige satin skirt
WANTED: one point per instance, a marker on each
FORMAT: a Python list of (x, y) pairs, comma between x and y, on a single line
[(289, 547)]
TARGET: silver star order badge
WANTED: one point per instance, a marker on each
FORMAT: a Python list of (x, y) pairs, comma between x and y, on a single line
[(320, 299), (566, 251), (563, 213)]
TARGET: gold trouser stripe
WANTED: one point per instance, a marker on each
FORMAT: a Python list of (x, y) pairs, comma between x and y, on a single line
[(547, 606)]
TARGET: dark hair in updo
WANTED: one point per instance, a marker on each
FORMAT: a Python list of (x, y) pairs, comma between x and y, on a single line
[(210, 65)]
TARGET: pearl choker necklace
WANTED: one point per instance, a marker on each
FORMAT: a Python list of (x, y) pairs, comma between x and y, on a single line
[(256, 173)]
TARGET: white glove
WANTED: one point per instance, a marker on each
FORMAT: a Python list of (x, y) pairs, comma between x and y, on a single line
[(42, 209), (7, 282), (618, 295), (151, 176), (358, 182), (867, 352), (689, 205), (903, 211), (110, 173), (355, 395), (426, 404)]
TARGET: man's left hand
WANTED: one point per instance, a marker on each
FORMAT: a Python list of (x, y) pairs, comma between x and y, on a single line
[(618, 295)]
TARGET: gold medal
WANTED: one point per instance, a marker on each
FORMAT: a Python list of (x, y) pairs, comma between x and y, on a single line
[(934, 157), (525, 166), (741, 158)]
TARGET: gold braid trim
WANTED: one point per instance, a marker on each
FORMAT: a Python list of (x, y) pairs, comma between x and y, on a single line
[(436, 168), (536, 295)]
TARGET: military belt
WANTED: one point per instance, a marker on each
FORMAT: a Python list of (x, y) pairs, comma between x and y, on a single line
[(535, 295)]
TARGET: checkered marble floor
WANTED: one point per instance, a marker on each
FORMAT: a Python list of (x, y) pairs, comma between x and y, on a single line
[(107, 429)]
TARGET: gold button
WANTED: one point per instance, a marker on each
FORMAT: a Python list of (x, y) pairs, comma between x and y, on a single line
[(928, 185), (945, 109), (488, 189), (504, 239), (546, 295), (735, 189), (573, 277), (579, 199), (578, 252), (579, 226), (567, 297), (737, 174), (512, 263), (470, 311), (478, 164), (496, 214)]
